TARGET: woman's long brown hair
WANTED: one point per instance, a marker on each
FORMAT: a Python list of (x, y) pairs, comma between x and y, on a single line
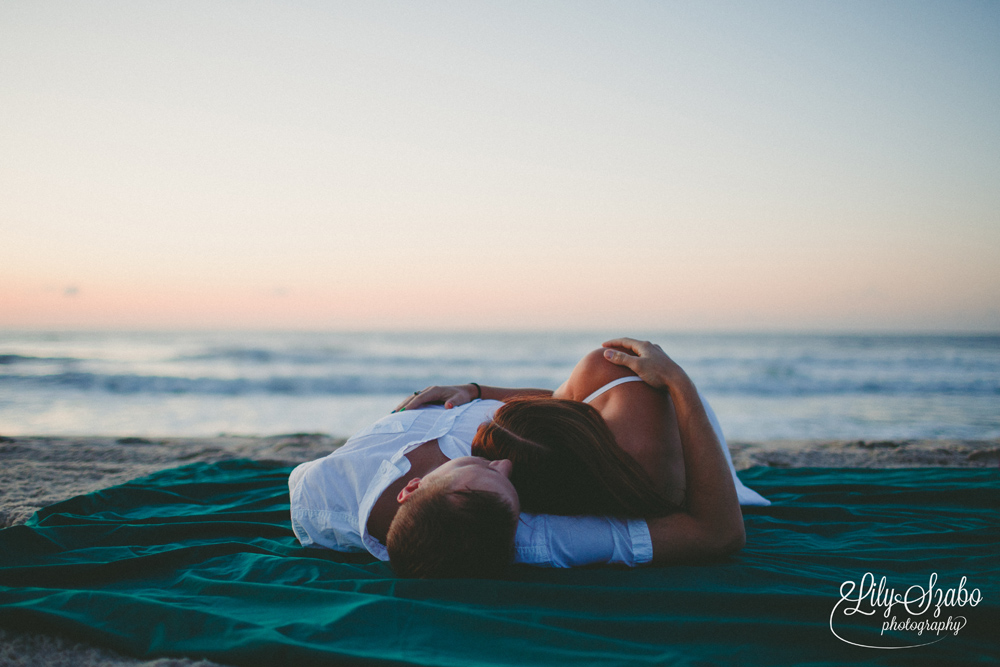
[(567, 461)]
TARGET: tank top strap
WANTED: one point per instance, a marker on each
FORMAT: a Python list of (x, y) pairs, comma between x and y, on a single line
[(611, 385)]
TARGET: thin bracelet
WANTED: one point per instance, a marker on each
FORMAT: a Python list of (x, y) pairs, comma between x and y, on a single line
[(479, 390)]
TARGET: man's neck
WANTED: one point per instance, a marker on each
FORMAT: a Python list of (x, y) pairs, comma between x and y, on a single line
[(423, 459)]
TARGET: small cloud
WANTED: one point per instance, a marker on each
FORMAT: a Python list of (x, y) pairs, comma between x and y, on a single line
[(71, 291), (872, 292)]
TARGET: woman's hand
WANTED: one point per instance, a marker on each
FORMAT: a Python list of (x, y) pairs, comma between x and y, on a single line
[(647, 360), (451, 396)]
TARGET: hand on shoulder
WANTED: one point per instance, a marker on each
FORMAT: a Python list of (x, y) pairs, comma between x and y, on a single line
[(647, 360)]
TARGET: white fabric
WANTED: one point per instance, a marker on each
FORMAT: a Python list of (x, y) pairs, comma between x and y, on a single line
[(332, 497), (746, 495), (612, 384)]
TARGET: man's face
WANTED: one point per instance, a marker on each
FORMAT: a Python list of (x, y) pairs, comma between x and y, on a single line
[(472, 472)]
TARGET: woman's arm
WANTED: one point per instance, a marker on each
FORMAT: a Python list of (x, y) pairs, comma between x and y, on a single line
[(712, 523), (455, 395)]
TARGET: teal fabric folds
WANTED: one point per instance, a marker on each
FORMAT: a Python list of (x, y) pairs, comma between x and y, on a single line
[(200, 561)]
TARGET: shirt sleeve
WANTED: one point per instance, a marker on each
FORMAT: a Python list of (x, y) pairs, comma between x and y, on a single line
[(570, 541)]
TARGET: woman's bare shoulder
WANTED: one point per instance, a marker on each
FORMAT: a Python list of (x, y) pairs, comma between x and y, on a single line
[(589, 375)]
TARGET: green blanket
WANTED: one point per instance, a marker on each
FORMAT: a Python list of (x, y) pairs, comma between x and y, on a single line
[(200, 561)]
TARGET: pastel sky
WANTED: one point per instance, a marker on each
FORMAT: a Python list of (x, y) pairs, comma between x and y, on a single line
[(522, 165)]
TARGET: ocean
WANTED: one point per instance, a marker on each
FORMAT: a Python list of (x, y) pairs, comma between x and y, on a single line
[(763, 386)]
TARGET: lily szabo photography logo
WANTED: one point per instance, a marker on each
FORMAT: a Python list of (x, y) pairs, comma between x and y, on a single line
[(870, 614)]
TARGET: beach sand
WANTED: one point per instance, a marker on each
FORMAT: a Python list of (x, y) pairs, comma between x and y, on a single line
[(38, 471)]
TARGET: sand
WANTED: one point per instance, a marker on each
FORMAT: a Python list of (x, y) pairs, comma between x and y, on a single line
[(38, 471)]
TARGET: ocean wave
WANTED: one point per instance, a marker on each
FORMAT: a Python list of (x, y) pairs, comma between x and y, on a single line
[(776, 385), (792, 386), (12, 359), (265, 356), (262, 356), (763, 385), (146, 384)]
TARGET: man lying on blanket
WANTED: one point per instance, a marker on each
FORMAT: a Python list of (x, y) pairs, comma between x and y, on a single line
[(409, 480)]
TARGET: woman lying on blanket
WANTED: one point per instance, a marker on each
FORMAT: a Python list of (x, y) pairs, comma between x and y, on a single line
[(621, 464)]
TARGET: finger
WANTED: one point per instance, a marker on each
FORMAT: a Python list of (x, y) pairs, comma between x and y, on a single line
[(621, 358), (627, 343), (422, 397), (455, 398), (413, 401)]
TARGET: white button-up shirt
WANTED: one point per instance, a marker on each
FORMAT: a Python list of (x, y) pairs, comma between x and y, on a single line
[(332, 497)]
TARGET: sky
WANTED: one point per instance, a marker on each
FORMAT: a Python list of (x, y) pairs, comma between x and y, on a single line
[(771, 166)]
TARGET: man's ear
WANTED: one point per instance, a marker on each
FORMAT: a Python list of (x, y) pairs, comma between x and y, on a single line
[(410, 487)]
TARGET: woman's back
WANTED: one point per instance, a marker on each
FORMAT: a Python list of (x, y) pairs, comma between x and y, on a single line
[(641, 418)]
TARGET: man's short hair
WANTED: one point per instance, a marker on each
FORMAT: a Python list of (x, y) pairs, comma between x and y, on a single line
[(441, 533)]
